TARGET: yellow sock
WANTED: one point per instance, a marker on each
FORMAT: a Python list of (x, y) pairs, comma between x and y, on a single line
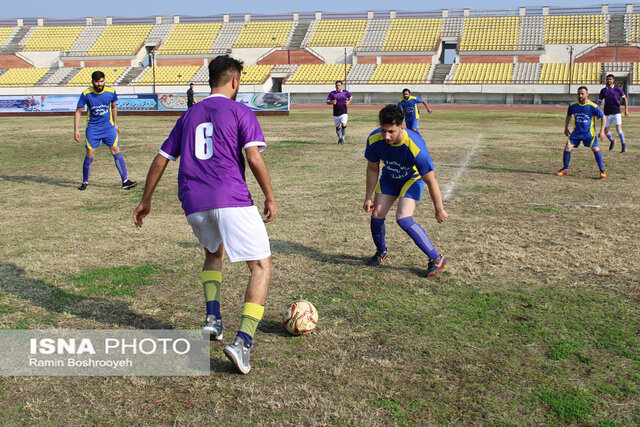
[(211, 282), (251, 315)]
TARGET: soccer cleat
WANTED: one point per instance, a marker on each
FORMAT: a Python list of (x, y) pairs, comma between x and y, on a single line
[(377, 258), (562, 172), (212, 328), (129, 184), (83, 186), (436, 265), (624, 150), (239, 352), (612, 144), (602, 175)]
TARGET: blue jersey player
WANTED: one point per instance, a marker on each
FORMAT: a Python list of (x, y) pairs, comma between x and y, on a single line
[(407, 167), (585, 113), (100, 101), (409, 105)]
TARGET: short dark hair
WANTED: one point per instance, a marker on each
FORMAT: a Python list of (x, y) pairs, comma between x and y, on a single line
[(406, 89), (611, 75), (391, 115), (338, 81), (584, 87), (222, 69), (97, 75)]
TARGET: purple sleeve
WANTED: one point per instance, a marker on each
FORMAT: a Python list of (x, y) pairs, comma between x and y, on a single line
[(249, 129), (172, 146), (621, 91), (330, 97), (348, 94), (601, 96)]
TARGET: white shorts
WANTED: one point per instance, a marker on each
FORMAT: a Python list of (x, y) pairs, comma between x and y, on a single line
[(613, 119), (341, 119), (241, 230)]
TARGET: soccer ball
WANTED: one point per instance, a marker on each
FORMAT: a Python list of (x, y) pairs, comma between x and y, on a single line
[(300, 317)]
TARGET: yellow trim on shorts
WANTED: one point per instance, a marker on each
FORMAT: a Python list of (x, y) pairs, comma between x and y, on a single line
[(408, 184)]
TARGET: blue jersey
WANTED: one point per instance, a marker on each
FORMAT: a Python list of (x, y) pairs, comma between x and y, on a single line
[(410, 107), (585, 119), (98, 106), (405, 160)]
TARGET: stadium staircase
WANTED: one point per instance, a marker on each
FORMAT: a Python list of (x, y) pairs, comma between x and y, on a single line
[(440, 73), (15, 44), (617, 32), (130, 75), (46, 77), (298, 35)]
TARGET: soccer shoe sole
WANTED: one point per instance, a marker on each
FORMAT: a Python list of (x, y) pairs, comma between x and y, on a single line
[(209, 334), (236, 359), (128, 187)]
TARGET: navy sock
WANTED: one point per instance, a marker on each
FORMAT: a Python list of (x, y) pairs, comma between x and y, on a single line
[(86, 168), (419, 236), (213, 307), (598, 156), (566, 157), (378, 232), (245, 336)]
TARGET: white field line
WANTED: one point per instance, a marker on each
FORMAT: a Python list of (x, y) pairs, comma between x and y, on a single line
[(449, 186)]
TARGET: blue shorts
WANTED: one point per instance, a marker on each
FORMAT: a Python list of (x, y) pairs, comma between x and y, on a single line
[(107, 136), (410, 188), (412, 123), (587, 140)]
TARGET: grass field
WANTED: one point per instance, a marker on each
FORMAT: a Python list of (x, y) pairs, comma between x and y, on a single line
[(536, 320)]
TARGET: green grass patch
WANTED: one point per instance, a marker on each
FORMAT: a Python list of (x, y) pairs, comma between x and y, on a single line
[(118, 281)]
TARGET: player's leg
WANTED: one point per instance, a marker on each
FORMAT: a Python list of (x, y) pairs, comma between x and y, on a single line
[(336, 121), (90, 145), (598, 156), (623, 143), (566, 156), (381, 205), (607, 126), (207, 232), (404, 216), (343, 124), (113, 142), (245, 238)]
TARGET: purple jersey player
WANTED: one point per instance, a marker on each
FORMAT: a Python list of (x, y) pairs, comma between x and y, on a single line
[(209, 139), (613, 96), (340, 99)]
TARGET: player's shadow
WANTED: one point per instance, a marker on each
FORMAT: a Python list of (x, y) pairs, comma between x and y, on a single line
[(110, 312), (39, 179)]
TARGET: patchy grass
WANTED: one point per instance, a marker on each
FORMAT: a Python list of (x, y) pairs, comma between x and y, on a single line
[(535, 320)]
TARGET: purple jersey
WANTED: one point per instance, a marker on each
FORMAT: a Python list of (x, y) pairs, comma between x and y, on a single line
[(340, 107), (209, 138), (611, 97)]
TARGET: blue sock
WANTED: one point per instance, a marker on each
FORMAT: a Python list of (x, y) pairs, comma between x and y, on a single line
[(245, 336), (86, 168), (624, 144), (378, 232), (419, 236), (566, 156), (213, 307), (610, 136), (121, 165), (598, 155)]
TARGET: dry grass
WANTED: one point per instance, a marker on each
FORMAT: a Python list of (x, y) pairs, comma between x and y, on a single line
[(535, 321)]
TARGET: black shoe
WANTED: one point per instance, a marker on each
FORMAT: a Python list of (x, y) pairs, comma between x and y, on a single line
[(129, 184), (612, 144), (436, 265), (377, 258), (83, 186)]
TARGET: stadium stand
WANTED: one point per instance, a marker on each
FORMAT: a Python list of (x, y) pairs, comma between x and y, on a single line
[(483, 73), (337, 32), (374, 34), (5, 32), (581, 73), (255, 74), (263, 34), (531, 33), (120, 40), (400, 73), (526, 73), (361, 73), (190, 38), (51, 39), (22, 77), (574, 29), (168, 75), (412, 34), (83, 76), (490, 33), (309, 74)]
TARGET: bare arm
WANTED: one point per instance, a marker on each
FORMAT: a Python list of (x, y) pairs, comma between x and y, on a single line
[(348, 101), (114, 115), (601, 136), (626, 106), (566, 125), (373, 170), (427, 107), (436, 196), (260, 172), (76, 124), (153, 178)]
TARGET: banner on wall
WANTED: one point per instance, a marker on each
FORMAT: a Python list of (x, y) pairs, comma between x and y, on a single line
[(269, 101), (20, 104), (59, 102), (137, 102)]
